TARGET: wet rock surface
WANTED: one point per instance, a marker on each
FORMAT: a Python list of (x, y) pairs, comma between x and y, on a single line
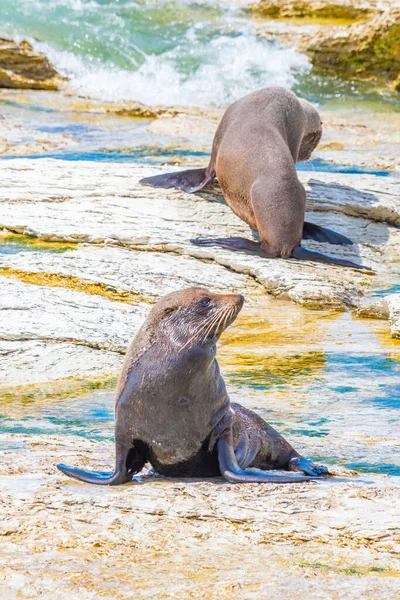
[(84, 252), (114, 246), (388, 308), (25, 68), (359, 42)]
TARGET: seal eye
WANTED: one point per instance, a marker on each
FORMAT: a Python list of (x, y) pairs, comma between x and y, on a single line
[(169, 310), (205, 301)]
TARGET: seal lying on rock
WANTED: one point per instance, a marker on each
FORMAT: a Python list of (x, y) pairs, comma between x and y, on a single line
[(173, 411), (255, 148)]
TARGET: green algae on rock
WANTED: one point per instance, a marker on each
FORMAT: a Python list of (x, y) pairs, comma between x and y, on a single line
[(367, 50), (23, 67), (320, 9), (358, 41), (60, 389)]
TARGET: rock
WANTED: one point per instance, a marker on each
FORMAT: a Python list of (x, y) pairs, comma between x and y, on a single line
[(104, 204), (361, 41), (388, 308), (23, 67), (30, 312), (315, 9), (21, 140), (333, 539), (120, 274), (104, 248), (31, 362), (366, 50)]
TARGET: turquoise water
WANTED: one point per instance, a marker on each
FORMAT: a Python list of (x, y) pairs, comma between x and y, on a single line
[(354, 394), (164, 52), (189, 52), (152, 156)]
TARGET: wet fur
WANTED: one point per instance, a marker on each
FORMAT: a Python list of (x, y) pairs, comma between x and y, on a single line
[(172, 408)]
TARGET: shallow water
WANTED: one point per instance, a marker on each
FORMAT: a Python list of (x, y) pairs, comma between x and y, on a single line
[(15, 244), (329, 383), (166, 52)]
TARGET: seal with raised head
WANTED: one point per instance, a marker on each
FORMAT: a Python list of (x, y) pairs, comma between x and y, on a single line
[(255, 148), (172, 408)]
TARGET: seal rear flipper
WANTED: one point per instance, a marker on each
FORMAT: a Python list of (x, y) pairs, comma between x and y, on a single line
[(303, 254), (189, 181), (323, 234), (233, 243), (299, 463), (128, 463), (231, 471)]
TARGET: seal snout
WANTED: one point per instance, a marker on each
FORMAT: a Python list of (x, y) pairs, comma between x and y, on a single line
[(240, 300)]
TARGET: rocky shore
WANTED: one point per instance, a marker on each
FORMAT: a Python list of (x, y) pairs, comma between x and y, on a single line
[(350, 40), (84, 252), (23, 67)]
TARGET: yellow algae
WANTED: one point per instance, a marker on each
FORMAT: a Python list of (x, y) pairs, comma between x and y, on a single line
[(381, 329), (34, 243), (73, 283), (269, 323), (60, 389), (273, 369), (352, 570), (331, 146), (321, 13)]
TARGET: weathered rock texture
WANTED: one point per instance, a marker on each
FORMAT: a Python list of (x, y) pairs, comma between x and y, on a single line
[(388, 308), (85, 202), (322, 9), (23, 67), (361, 42), (63, 539), (133, 245), (367, 50)]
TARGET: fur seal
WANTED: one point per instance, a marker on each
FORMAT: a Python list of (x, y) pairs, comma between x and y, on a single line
[(172, 408), (255, 148)]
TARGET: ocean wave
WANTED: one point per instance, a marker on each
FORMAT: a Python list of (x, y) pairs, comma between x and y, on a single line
[(228, 67)]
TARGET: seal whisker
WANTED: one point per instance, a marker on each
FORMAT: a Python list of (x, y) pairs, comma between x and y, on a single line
[(213, 323), (199, 329), (217, 324)]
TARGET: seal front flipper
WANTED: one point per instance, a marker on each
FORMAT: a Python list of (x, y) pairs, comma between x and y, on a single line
[(189, 181), (322, 234), (231, 471), (128, 463)]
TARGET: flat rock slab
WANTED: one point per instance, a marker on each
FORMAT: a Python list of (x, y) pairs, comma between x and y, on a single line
[(30, 312), (31, 362), (63, 539), (388, 308), (104, 204), (148, 275)]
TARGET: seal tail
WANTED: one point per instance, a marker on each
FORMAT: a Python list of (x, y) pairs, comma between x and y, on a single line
[(128, 463), (189, 181)]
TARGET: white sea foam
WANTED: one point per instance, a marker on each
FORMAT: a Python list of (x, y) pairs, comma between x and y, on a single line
[(230, 66)]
